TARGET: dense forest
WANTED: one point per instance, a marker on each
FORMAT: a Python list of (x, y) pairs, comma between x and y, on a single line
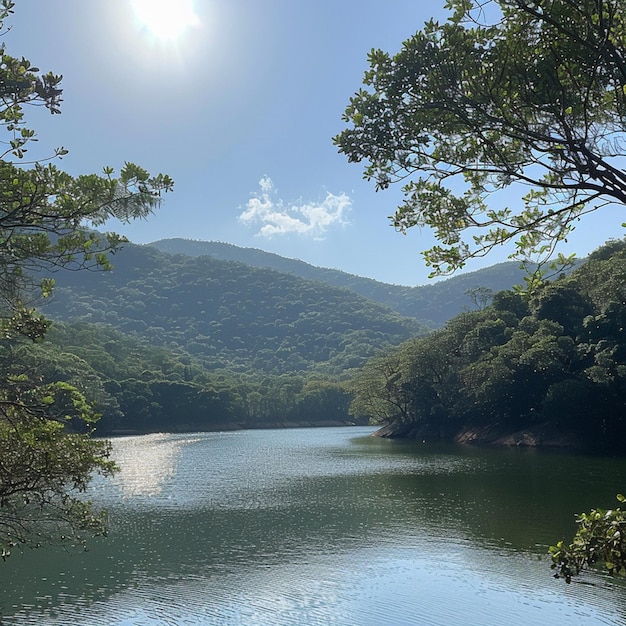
[(176, 342), (136, 387), (229, 315), (549, 367), (172, 342), (432, 304)]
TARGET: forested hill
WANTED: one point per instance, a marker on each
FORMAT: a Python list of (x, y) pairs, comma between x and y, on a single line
[(434, 304), (229, 315), (543, 368)]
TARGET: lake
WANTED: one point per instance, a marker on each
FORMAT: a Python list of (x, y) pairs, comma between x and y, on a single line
[(324, 526)]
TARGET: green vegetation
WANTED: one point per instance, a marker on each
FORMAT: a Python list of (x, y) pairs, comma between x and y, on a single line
[(553, 362), (432, 304), (231, 316), (47, 455), (600, 539), (178, 343), (543, 368), (522, 96), (507, 94), (136, 387)]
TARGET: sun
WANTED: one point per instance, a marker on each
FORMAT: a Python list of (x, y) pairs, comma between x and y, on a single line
[(166, 20)]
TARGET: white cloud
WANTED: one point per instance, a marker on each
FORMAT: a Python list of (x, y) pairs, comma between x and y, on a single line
[(303, 218)]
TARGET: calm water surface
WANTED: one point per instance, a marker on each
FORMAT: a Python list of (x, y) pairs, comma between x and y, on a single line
[(324, 527)]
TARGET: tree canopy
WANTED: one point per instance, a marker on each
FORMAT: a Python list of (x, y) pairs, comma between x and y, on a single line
[(45, 215), (45, 212), (507, 94), (229, 315), (551, 365)]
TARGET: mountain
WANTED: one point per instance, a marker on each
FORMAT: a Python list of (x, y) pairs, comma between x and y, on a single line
[(229, 315), (433, 304), (181, 341)]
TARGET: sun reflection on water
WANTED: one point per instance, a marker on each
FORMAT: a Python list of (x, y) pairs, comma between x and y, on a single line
[(146, 463)]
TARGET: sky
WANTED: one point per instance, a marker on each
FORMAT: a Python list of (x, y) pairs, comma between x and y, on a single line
[(238, 101)]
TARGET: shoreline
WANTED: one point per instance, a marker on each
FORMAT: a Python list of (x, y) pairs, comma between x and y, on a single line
[(227, 427), (496, 435)]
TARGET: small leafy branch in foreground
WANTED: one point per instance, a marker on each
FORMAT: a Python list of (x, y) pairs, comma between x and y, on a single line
[(600, 538)]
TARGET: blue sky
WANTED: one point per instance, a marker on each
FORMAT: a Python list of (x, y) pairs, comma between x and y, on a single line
[(240, 110)]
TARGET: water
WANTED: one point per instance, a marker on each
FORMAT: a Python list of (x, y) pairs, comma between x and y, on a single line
[(323, 527)]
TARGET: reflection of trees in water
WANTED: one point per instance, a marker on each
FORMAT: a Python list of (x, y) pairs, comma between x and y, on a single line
[(524, 499)]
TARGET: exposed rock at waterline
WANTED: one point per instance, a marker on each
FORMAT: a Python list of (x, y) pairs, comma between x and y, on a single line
[(539, 436)]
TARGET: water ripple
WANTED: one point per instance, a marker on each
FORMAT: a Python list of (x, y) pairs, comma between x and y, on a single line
[(287, 528)]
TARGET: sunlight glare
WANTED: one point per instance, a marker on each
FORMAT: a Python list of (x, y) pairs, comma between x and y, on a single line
[(165, 20)]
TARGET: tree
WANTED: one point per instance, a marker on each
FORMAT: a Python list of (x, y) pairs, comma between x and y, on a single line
[(480, 297), (382, 388), (506, 94), (600, 539), (549, 368), (45, 216), (45, 211), (44, 466)]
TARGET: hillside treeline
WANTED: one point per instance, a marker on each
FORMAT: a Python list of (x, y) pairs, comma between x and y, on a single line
[(171, 342), (178, 343), (552, 362), (431, 304), (136, 387), (228, 315)]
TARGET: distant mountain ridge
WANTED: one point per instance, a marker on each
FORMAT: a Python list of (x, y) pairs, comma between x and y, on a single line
[(247, 310), (230, 315), (432, 304)]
